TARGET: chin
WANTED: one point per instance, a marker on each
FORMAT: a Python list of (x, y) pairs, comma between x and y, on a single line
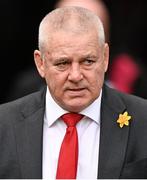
[(77, 107), (75, 104), (74, 109)]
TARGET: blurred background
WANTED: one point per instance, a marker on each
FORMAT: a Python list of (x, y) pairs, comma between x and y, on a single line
[(19, 32)]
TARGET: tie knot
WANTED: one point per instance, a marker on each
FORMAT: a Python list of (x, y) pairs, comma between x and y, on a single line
[(71, 119)]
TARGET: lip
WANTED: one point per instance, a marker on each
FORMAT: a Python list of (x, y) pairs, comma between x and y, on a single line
[(76, 91)]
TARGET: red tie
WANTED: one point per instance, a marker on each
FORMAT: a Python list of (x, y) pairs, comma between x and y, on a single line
[(68, 157)]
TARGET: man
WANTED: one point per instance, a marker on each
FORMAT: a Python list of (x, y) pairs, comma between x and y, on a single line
[(73, 59)]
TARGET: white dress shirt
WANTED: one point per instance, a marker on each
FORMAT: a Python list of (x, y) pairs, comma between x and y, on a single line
[(88, 134)]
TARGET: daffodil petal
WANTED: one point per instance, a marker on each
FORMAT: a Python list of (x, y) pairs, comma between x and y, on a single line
[(125, 114), (129, 117), (126, 123), (121, 125)]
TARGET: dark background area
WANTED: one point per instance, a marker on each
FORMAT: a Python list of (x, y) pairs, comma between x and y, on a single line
[(19, 32)]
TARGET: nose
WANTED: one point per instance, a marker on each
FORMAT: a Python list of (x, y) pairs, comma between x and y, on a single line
[(75, 74)]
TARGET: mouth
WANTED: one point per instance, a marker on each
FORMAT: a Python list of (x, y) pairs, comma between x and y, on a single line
[(76, 91)]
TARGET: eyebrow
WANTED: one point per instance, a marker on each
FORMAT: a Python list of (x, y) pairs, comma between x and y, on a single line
[(91, 56)]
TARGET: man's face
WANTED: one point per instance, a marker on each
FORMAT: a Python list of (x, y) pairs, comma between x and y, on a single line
[(74, 67)]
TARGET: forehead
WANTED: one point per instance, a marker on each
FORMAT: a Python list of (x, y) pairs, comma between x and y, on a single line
[(68, 41)]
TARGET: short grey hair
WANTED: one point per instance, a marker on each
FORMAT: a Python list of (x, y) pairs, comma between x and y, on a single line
[(73, 19)]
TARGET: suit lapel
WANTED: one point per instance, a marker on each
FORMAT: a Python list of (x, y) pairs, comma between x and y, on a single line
[(28, 133), (113, 139)]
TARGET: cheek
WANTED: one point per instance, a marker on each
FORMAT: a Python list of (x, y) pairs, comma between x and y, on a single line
[(55, 82), (97, 79)]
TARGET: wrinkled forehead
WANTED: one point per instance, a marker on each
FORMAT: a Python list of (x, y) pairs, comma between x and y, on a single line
[(77, 39), (68, 33), (73, 35), (72, 45)]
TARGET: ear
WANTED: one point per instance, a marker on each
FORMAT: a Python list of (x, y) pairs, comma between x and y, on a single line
[(106, 56), (39, 63)]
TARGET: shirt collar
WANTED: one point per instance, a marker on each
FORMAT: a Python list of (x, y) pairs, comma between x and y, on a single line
[(53, 111), (93, 110)]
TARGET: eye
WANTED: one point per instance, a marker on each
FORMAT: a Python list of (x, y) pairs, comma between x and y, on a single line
[(61, 65), (88, 62)]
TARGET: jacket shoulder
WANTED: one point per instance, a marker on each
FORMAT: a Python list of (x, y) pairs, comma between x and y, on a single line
[(27, 104)]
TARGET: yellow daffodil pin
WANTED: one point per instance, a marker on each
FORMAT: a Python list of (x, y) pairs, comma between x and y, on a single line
[(123, 119)]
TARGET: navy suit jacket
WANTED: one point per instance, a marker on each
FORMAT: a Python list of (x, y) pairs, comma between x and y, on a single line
[(122, 154)]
